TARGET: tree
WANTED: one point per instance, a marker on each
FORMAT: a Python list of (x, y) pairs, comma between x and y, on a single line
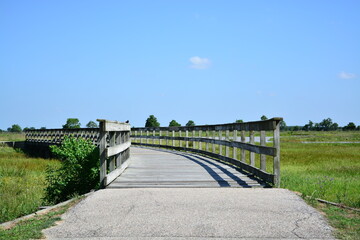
[(174, 123), (263, 118), (151, 121), (43, 128), (283, 125), (72, 123), (350, 127), (92, 124), (239, 121), (327, 125), (190, 123), (28, 128), (308, 126), (15, 128)]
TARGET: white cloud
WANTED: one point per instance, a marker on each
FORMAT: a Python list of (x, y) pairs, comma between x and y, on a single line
[(199, 63), (345, 75)]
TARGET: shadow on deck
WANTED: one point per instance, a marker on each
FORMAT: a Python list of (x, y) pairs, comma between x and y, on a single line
[(159, 168)]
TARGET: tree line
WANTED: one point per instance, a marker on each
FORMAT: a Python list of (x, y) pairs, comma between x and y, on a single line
[(325, 125), (70, 123)]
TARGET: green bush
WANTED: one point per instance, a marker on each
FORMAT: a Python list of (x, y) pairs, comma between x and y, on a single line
[(79, 171)]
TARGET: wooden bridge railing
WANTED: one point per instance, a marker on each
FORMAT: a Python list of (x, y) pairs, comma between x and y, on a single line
[(56, 136), (227, 142), (115, 151), (112, 138)]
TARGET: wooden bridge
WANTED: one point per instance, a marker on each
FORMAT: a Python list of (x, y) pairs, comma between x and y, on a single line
[(225, 155)]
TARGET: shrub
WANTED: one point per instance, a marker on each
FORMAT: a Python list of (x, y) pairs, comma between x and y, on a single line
[(79, 171)]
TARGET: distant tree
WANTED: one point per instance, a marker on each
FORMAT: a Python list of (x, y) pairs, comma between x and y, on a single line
[(358, 128), (43, 128), (72, 123), (350, 127), (174, 123), (327, 125), (28, 128), (283, 126), (239, 121), (190, 123), (92, 124), (1, 130), (309, 126), (263, 118), (15, 128), (296, 128), (151, 121)]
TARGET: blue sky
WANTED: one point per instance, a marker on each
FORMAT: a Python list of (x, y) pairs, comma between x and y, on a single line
[(208, 61)]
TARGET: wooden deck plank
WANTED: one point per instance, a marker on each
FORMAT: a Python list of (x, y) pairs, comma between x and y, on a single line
[(156, 168)]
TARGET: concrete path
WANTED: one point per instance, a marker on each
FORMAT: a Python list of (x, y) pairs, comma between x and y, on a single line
[(191, 213)]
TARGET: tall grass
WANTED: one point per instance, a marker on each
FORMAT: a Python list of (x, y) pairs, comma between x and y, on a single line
[(22, 182), (12, 137), (328, 171)]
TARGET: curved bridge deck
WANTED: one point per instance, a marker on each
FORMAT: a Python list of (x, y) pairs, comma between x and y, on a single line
[(157, 168)]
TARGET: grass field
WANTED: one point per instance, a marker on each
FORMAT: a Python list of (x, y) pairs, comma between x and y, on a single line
[(328, 171), (12, 137), (22, 181)]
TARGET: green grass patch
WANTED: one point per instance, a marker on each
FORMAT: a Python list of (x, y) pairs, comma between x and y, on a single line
[(322, 170), (12, 137), (345, 222), (22, 182), (31, 228)]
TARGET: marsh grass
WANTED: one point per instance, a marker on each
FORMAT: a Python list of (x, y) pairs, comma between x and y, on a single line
[(329, 171), (22, 182), (12, 137)]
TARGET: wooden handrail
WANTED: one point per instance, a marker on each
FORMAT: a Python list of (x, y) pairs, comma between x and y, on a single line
[(217, 137), (115, 151)]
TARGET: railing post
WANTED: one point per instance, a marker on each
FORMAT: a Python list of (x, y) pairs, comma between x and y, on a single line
[(252, 154), (263, 156), (242, 156), (220, 146), (112, 159), (200, 143), (102, 146), (160, 140), (118, 141), (213, 137), (277, 157), (234, 148), (173, 141), (227, 147), (207, 144), (153, 140)]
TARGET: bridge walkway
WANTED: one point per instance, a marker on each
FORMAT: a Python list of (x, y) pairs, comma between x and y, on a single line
[(158, 168)]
